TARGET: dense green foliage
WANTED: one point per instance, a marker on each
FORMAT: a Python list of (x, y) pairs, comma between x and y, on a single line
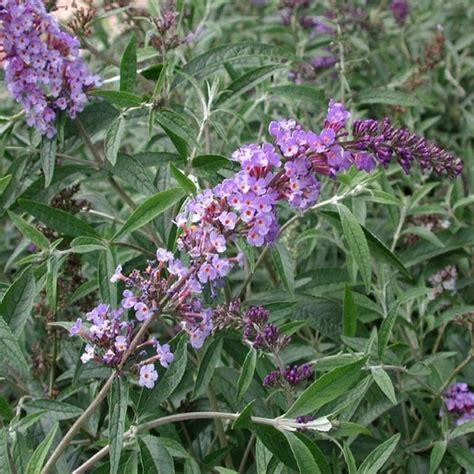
[(374, 283)]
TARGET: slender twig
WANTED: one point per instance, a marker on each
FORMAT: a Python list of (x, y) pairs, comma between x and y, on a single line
[(246, 455), (58, 451), (201, 415)]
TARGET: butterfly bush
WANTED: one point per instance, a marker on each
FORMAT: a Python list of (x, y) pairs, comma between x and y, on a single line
[(42, 66), (245, 206)]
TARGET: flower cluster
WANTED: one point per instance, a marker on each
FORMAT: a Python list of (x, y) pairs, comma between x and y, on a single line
[(400, 10), (42, 66), (109, 337), (444, 280), (245, 206), (292, 375), (167, 285), (261, 334), (459, 401)]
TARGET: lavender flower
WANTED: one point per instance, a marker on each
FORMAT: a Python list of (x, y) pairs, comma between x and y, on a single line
[(148, 376), (164, 354), (459, 401), (42, 66)]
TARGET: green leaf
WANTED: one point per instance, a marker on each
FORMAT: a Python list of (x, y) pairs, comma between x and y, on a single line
[(4, 453), (349, 458), (426, 234), (437, 455), (87, 244), (463, 457), (381, 252), (28, 231), (52, 283), (207, 366), (387, 96), (38, 458), (184, 182), (105, 269), (262, 457), (10, 350), (303, 456), (85, 289), (462, 430), (133, 172), (55, 409), (128, 66), (327, 388), (383, 380), (5, 410), (349, 313), (284, 265), (17, 302), (191, 467), (377, 458), (57, 219), (423, 251), (22, 424), (117, 414), (317, 454), (219, 55), (248, 80), (171, 378), (148, 210), (299, 92), (120, 98), (357, 243), (275, 441), (48, 159), (113, 139), (177, 124), (4, 182), (244, 419), (382, 197), (246, 376), (385, 332), (155, 457), (205, 164)]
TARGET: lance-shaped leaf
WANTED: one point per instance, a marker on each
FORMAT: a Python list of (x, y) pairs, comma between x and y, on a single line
[(327, 388), (117, 415), (128, 66), (17, 302), (10, 350), (150, 209)]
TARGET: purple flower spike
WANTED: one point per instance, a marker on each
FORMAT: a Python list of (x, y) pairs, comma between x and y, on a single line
[(39, 57)]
